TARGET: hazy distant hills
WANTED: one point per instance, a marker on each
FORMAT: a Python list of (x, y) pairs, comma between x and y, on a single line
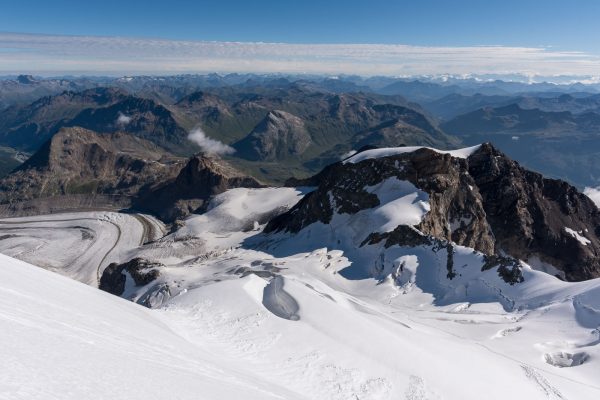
[(453, 105), (561, 144), (26, 88)]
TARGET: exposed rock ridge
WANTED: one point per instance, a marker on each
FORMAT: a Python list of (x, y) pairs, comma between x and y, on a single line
[(487, 202)]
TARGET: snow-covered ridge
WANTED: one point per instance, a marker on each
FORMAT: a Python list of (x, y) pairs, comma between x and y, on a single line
[(392, 151)]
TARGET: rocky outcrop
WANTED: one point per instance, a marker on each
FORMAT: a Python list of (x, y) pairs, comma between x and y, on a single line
[(532, 216), (443, 177), (142, 272), (202, 177), (278, 136), (486, 201)]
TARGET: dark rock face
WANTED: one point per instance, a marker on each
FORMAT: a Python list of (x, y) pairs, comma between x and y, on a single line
[(142, 271), (202, 177), (443, 177), (487, 202), (508, 268), (529, 215)]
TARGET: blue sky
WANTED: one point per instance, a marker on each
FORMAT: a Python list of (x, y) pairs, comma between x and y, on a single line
[(551, 25)]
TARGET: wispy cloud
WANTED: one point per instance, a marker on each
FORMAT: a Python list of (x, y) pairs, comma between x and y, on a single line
[(123, 119), (208, 145), (51, 54)]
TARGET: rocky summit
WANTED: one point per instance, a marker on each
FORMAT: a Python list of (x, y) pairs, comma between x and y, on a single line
[(483, 200)]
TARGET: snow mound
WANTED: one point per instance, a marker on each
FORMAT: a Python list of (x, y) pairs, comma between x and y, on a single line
[(237, 211), (401, 203), (563, 360), (392, 151)]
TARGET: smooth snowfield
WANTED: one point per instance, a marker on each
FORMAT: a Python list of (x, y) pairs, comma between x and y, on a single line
[(240, 314), (65, 340)]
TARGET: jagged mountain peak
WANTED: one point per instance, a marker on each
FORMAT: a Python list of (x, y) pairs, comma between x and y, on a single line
[(477, 197), (61, 151), (84, 163)]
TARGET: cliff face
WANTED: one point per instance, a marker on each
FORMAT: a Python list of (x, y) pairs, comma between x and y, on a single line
[(485, 201), (532, 216)]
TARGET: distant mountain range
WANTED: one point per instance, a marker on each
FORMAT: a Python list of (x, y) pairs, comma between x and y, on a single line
[(561, 144), (283, 125)]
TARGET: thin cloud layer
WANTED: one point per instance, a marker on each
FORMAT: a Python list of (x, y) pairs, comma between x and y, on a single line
[(52, 54)]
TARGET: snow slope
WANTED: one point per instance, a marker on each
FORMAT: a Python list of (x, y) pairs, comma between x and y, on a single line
[(307, 316), (328, 319), (65, 340)]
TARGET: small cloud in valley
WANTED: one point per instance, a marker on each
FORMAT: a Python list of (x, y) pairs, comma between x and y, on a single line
[(123, 119), (209, 145)]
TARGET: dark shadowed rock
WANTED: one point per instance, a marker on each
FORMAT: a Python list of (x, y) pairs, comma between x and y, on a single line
[(532, 216), (142, 272)]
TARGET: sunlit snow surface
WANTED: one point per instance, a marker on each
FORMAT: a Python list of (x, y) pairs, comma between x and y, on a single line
[(305, 316), (392, 151)]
